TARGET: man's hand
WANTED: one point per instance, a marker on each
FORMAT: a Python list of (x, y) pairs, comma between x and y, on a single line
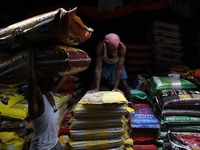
[(92, 91), (117, 90)]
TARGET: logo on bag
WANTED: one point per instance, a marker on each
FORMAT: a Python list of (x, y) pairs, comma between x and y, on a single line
[(44, 29), (4, 100), (3, 42)]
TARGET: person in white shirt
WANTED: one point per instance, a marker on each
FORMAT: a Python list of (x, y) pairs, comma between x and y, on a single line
[(42, 106), (110, 70)]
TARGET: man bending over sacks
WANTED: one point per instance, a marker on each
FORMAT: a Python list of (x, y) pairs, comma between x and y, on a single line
[(109, 70)]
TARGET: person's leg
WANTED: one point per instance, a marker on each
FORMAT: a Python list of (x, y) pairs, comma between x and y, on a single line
[(123, 85)]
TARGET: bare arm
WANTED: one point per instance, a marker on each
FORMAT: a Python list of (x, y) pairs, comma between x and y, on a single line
[(98, 68), (118, 73), (33, 96), (59, 83), (32, 79)]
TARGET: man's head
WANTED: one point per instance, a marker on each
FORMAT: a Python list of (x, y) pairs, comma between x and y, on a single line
[(112, 41), (46, 83)]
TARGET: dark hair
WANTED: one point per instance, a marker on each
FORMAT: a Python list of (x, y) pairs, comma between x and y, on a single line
[(46, 83)]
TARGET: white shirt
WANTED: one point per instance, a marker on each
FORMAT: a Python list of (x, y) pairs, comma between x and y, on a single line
[(45, 128), (110, 60)]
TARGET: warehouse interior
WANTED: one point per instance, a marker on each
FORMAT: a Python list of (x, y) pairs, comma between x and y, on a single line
[(134, 21)]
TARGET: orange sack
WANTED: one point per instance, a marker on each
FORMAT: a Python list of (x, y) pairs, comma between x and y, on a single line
[(55, 60), (61, 26)]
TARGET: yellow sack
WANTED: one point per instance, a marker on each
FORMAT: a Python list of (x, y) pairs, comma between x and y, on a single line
[(129, 109), (10, 141), (8, 99), (61, 99), (2, 90), (81, 109), (128, 142), (103, 120), (62, 109), (61, 118), (64, 139), (29, 126), (103, 97), (96, 144), (17, 111), (98, 133), (95, 125)]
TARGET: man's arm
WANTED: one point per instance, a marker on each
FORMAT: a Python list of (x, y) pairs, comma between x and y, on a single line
[(34, 96), (121, 54), (59, 83), (20, 38), (34, 99), (98, 68)]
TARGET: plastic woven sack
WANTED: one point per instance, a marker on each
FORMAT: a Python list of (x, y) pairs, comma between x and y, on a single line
[(103, 97), (166, 83)]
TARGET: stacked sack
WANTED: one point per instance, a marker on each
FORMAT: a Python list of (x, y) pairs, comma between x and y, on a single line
[(138, 57), (99, 121), (73, 86), (167, 42), (192, 75), (144, 124), (53, 34), (176, 103), (10, 140), (14, 118), (176, 71)]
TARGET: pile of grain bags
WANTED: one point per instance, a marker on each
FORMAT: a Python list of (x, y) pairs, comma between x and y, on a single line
[(58, 26), (14, 118), (10, 140), (176, 103), (138, 57), (53, 35), (73, 86), (99, 121), (167, 42), (144, 124), (177, 141)]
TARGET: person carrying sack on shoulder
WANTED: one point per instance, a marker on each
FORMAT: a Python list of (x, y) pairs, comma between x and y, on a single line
[(42, 106)]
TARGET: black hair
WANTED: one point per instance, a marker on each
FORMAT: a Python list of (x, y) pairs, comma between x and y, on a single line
[(46, 83)]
